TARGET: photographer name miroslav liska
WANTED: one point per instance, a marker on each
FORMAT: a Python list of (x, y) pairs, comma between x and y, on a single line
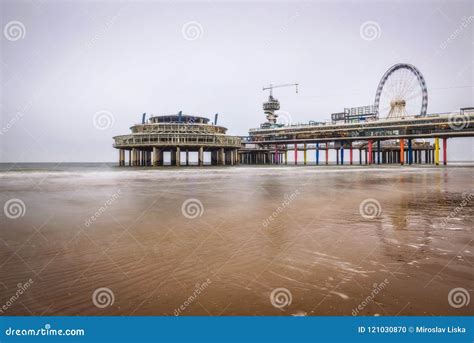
[(437, 329)]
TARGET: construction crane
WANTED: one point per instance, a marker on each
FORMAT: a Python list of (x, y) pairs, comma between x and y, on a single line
[(280, 86)]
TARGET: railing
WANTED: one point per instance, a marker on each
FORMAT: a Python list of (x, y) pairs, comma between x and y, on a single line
[(177, 128), (140, 140), (384, 124), (445, 116)]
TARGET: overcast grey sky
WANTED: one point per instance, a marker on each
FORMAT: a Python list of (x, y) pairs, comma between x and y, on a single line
[(67, 60)]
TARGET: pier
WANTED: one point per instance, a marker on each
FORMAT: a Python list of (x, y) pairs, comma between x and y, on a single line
[(384, 141), (393, 130)]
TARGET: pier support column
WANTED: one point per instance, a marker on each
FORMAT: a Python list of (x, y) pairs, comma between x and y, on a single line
[(360, 156), (215, 157), (436, 152), (342, 153), (317, 153), (201, 156), (370, 151), (221, 157), (350, 153), (121, 157), (445, 147), (277, 159), (154, 156), (286, 154), (178, 156), (231, 157), (379, 151), (160, 158), (187, 157), (402, 151), (337, 156), (172, 157), (327, 153), (410, 152), (133, 158), (304, 154), (296, 153)]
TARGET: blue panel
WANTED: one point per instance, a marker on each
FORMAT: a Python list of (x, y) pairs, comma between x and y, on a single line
[(237, 329)]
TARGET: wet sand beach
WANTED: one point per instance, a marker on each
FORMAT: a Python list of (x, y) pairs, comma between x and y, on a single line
[(103, 240)]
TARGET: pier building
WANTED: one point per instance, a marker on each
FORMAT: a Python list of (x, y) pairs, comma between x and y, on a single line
[(170, 139)]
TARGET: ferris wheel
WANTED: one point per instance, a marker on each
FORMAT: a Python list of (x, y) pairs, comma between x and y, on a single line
[(401, 93)]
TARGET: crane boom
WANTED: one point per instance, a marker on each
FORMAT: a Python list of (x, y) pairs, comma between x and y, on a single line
[(279, 86)]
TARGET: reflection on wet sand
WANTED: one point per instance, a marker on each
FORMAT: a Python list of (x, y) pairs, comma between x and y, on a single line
[(317, 255)]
